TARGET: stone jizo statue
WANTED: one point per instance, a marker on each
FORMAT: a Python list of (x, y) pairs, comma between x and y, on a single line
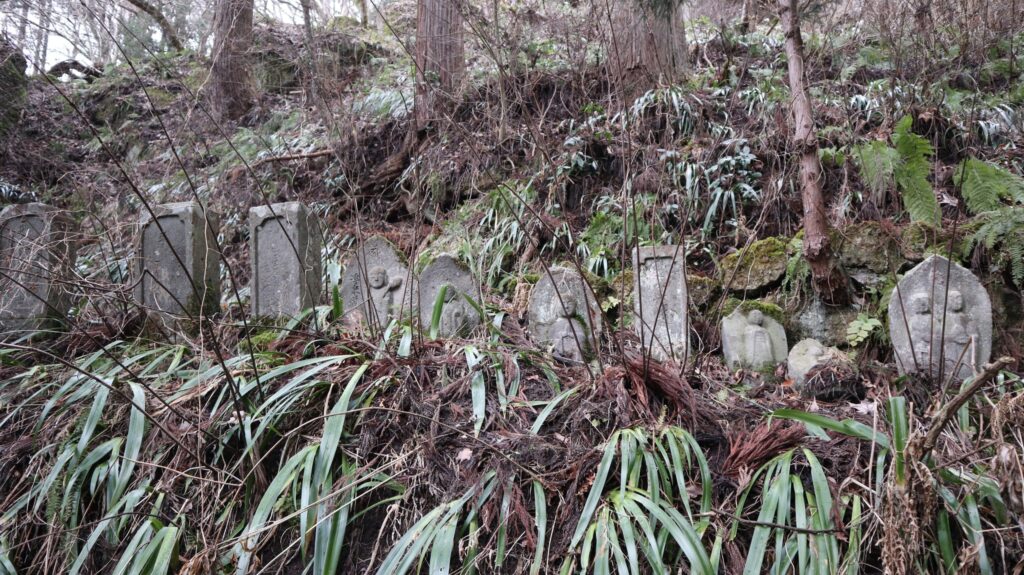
[(458, 317), (752, 340), (564, 316)]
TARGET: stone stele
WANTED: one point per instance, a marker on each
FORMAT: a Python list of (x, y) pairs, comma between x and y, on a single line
[(36, 259), (458, 316), (564, 316), (752, 340), (374, 287), (660, 301), (177, 262), (285, 253), (940, 332)]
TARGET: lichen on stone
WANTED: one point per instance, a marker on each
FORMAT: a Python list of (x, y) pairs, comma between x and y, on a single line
[(755, 267)]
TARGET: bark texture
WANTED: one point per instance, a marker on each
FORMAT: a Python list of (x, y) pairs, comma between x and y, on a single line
[(828, 280), (440, 57), (230, 78), (649, 37), (165, 27)]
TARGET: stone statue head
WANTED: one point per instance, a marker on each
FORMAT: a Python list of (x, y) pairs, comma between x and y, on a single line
[(956, 301), (919, 305), (756, 317), (568, 307), (378, 276)]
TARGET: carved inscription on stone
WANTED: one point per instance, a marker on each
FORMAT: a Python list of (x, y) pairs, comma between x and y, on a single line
[(564, 316), (939, 326), (285, 253), (36, 259), (374, 284), (752, 340), (458, 316), (660, 303), (177, 262)]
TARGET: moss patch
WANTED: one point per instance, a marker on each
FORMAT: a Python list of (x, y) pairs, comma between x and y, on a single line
[(758, 266), (700, 289), (746, 306), (865, 245)]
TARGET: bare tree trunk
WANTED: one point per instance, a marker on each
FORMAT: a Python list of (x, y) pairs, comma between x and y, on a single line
[(651, 39), (170, 36), (364, 13), (231, 82), (42, 37), (23, 25), (440, 57), (827, 279)]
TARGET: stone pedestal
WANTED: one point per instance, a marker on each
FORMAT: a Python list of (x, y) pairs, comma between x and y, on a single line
[(37, 255), (374, 284), (284, 246), (564, 316), (940, 321), (458, 317), (660, 302), (177, 266)]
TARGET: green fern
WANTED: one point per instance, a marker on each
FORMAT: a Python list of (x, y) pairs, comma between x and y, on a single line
[(1002, 231), (877, 163), (912, 174), (984, 185)]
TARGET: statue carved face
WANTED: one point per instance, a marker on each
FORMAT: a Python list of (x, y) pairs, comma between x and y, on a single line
[(920, 305), (569, 303), (956, 301), (450, 293), (378, 276), (756, 317)]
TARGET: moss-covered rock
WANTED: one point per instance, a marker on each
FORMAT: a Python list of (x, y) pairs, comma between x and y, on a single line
[(700, 290), (919, 240), (823, 323), (13, 85), (760, 265), (865, 245)]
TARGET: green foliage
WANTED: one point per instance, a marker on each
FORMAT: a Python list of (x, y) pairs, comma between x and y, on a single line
[(861, 328), (877, 162), (984, 186), (912, 174), (1003, 230)]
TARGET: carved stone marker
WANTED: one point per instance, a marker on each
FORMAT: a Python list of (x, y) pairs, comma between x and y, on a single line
[(806, 355), (458, 317), (660, 302), (374, 284), (177, 264), (36, 256), (564, 316), (752, 340), (935, 330), (285, 253)]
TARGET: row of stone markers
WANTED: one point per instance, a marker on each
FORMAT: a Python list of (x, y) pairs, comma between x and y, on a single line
[(934, 330)]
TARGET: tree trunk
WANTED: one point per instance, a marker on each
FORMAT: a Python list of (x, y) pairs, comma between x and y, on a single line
[(828, 280), (650, 38), (23, 25), (42, 37), (170, 36), (440, 57), (231, 83)]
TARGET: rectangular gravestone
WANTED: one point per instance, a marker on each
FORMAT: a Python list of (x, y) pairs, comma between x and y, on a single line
[(660, 303), (285, 253), (36, 259), (177, 266)]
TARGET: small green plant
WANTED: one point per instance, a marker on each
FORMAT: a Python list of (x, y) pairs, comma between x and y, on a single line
[(907, 165), (861, 329)]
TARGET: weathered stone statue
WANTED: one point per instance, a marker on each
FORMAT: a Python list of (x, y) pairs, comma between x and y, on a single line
[(660, 302), (752, 340), (37, 255), (177, 263), (823, 372), (284, 242), (939, 326), (558, 321), (374, 286), (458, 317)]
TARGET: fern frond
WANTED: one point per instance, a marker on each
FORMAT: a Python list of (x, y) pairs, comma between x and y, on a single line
[(877, 162), (912, 174), (985, 185), (1002, 231)]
